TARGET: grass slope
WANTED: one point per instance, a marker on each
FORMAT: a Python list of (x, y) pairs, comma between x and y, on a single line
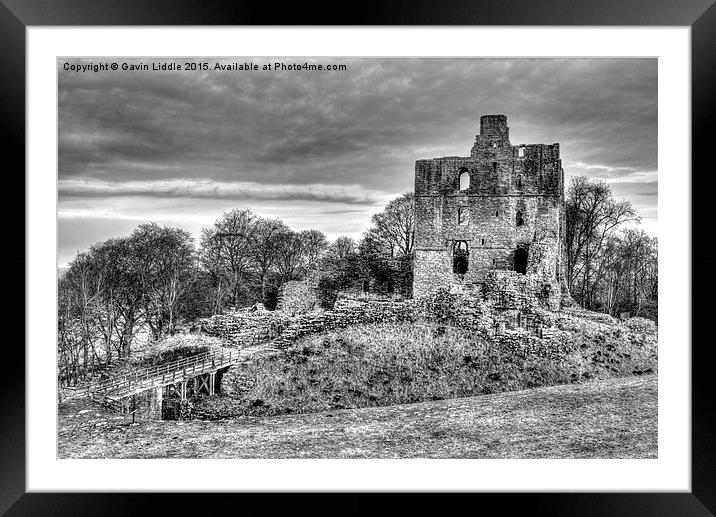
[(614, 418), (402, 363)]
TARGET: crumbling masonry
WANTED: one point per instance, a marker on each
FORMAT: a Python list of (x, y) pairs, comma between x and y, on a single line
[(501, 208)]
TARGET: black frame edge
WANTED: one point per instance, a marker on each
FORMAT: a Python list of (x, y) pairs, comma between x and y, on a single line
[(185, 12), (12, 139), (703, 111), (369, 12)]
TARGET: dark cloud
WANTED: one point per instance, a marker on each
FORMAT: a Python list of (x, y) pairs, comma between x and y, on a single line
[(361, 129), (306, 127)]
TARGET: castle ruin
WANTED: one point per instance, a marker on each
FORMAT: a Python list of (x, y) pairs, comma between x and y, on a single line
[(499, 210)]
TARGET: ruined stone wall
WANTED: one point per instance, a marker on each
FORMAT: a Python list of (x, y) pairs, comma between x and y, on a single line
[(504, 301), (283, 328), (297, 296), (507, 184), (432, 268), (347, 312), (544, 259), (245, 327), (526, 293)]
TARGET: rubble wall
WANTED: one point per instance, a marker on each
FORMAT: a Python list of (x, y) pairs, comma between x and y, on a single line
[(504, 301), (298, 296)]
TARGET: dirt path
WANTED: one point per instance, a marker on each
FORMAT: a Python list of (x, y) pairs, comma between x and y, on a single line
[(615, 418)]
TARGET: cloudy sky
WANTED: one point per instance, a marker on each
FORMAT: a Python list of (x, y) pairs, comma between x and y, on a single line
[(323, 149)]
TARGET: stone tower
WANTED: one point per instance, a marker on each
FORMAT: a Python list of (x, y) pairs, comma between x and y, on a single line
[(499, 209)]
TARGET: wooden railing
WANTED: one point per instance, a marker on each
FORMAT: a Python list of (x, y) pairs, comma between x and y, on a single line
[(167, 373), (103, 370)]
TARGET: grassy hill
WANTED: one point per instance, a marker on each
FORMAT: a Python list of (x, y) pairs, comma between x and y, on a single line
[(402, 363)]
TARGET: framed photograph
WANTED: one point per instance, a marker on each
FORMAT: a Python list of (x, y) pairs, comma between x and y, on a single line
[(419, 253)]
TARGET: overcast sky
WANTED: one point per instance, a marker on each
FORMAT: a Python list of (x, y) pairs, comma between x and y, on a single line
[(326, 150)]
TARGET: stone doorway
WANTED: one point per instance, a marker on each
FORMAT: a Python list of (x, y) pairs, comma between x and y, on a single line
[(521, 260), (460, 258)]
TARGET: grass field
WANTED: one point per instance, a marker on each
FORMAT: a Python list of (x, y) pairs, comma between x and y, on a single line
[(613, 418)]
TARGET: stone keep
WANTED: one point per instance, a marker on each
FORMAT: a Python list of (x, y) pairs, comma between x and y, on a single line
[(501, 208)]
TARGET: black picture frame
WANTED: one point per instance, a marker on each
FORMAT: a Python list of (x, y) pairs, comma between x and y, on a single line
[(17, 15)]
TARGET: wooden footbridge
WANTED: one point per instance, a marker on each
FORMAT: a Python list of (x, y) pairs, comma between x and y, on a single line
[(201, 368)]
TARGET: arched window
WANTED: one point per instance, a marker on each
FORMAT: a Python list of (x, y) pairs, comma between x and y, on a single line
[(460, 257), (464, 179), (463, 215), (518, 219), (497, 214), (519, 181), (521, 260)]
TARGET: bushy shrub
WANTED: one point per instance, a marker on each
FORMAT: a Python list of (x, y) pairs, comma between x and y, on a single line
[(638, 324), (176, 347), (442, 306)]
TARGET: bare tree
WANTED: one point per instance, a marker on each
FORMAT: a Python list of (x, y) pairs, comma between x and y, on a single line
[(314, 244), (639, 254), (122, 270), (79, 294), (289, 256), (342, 248), (264, 241), (85, 281), (625, 275), (167, 268), (394, 227), (592, 215), (226, 253)]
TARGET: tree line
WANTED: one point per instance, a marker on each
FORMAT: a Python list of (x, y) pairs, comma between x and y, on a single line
[(611, 266), (157, 279), (146, 285)]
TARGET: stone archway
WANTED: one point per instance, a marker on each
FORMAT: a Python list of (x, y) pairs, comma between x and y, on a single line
[(521, 260)]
